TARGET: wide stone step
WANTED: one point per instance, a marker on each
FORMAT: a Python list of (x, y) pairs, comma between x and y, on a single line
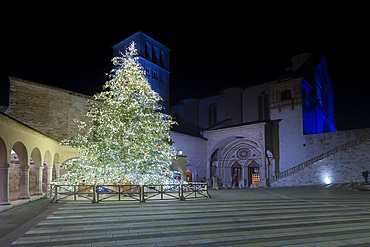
[(267, 222)]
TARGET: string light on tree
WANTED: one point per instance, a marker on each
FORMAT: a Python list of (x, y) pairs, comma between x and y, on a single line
[(126, 139)]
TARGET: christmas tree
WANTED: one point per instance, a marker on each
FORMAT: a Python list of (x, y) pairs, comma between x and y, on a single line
[(126, 139)]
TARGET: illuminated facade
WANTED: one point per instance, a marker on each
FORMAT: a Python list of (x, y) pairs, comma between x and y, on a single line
[(318, 101), (253, 136), (270, 134)]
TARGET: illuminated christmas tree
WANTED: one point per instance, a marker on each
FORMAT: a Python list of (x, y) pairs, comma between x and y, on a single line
[(126, 139)]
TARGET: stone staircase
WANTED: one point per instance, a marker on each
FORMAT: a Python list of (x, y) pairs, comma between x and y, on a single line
[(293, 170)]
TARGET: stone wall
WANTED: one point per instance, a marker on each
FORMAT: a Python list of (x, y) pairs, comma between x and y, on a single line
[(194, 148), (14, 176), (47, 109), (342, 167)]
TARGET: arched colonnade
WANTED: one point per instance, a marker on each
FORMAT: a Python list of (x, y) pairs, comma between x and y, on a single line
[(23, 148)]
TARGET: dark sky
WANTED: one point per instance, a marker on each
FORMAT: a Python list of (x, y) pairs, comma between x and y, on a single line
[(210, 50)]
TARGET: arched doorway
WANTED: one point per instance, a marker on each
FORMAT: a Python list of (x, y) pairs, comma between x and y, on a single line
[(236, 174), (253, 174), (189, 176)]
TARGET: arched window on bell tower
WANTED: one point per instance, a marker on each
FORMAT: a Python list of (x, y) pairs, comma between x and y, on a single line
[(147, 50)]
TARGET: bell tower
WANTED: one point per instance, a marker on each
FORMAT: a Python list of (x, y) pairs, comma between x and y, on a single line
[(155, 59)]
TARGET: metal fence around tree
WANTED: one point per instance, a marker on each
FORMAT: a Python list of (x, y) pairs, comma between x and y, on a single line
[(141, 193)]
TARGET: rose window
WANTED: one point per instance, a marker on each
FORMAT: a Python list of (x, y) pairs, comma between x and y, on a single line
[(243, 153)]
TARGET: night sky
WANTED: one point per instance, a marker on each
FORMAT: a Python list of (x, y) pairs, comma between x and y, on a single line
[(210, 51)]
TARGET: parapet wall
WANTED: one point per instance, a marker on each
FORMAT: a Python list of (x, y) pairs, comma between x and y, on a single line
[(342, 167)]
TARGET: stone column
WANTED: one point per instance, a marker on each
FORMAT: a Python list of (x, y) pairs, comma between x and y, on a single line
[(25, 183), (4, 184), (215, 183), (57, 169), (208, 177), (263, 174), (49, 175), (39, 181)]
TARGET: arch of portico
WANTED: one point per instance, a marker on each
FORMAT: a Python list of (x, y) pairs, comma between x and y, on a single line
[(29, 145)]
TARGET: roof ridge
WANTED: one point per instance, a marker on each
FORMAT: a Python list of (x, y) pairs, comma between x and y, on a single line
[(48, 86)]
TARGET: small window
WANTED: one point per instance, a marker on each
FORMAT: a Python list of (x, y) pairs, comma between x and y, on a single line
[(155, 75), (285, 95), (212, 115), (263, 107), (147, 47), (161, 58), (154, 56)]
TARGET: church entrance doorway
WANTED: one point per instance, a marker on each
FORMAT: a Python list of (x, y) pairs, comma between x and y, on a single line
[(189, 176), (253, 175), (236, 174)]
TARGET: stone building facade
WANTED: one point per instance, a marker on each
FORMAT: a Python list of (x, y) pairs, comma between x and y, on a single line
[(277, 133)]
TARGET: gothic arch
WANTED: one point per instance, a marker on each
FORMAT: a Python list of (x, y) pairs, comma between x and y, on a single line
[(243, 151), (239, 152), (326, 126), (253, 163)]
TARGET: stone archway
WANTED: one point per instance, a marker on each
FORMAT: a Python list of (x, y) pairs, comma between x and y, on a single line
[(192, 172), (20, 149), (56, 166), (189, 176), (254, 178), (236, 175)]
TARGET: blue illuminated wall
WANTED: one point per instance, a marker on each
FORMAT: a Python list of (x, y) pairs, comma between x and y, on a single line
[(318, 101)]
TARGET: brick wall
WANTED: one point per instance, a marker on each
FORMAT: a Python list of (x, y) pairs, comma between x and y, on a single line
[(47, 109)]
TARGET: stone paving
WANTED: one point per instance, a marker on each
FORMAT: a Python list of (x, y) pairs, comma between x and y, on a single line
[(299, 216)]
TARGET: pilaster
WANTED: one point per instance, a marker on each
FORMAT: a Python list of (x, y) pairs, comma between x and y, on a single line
[(4, 184), (24, 183), (39, 181)]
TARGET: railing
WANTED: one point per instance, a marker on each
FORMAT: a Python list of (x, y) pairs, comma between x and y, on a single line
[(141, 193), (161, 192), (120, 192), (309, 162), (65, 192), (194, 188)]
